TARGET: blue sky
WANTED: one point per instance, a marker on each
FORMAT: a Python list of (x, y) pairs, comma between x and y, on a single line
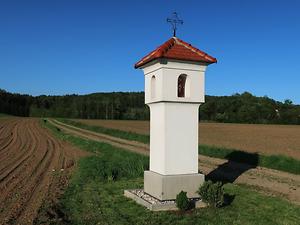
[(65, 47)]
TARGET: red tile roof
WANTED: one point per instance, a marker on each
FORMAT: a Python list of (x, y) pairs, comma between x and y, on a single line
[(177, 49)]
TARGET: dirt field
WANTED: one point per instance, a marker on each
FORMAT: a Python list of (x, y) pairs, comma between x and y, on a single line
[(266, 139), (34, 167)]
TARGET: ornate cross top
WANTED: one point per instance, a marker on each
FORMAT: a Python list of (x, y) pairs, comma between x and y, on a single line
[(174, 20)]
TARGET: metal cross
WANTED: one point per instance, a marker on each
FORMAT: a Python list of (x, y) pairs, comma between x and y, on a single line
[(174, 20)]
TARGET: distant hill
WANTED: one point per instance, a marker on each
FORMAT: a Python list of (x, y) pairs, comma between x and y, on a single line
[(238, 108)]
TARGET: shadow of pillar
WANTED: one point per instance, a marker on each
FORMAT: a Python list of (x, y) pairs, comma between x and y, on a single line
[(237, 164)]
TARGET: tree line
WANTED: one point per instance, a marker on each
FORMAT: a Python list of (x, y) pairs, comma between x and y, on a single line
[(246, 108), (238, 108)]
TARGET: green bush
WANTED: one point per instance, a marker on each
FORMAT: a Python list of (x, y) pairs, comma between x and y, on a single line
[(212, 193), (182, 201)]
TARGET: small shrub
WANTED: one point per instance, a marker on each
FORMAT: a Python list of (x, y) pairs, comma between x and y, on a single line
[(212, 193), (182, 201)]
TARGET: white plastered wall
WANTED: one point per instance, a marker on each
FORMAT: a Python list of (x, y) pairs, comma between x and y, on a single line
[(174, 120), (166, 78), (174, 138)]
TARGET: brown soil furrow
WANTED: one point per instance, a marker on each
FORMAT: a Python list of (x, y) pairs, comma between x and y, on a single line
[(266, 180), (22, 159), (31, 166), (21, 184), (20, 175), (7, 153), (19, 171), (18, 142), (51, 165), (7, 123), (6, 133), (28, 175), (8, 140), (36, 182), (23, 155)]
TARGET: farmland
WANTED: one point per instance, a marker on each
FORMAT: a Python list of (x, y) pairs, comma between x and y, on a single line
[(36, 164), (227, 168), (96, 197), (265, 139), (34, 168)]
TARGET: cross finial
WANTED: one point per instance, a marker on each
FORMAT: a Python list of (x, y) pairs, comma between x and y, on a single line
[(174, 20)]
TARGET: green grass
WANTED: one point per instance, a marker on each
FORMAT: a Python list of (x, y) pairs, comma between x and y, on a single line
[(92, 201), (278, 162), (93, 198)]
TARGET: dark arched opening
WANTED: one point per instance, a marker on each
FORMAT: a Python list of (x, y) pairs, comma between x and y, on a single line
[(181, 85)]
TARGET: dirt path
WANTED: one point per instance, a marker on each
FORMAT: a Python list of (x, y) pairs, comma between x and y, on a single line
[(32, 161), (271, 182), (261, 138), (118, 142)]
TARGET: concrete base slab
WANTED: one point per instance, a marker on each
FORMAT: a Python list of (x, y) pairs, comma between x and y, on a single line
[(167, 187), (153, 204)]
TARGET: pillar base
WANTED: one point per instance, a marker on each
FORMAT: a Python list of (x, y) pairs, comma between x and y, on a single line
[(167, 187)]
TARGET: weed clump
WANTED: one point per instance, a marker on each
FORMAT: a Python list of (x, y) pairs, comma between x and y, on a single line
[(212, 193)]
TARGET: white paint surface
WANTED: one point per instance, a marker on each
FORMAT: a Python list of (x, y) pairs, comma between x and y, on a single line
[(174, 120), (166, 77), (174, 138)]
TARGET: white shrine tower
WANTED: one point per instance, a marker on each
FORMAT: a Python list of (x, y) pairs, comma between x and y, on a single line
[(174, 89)]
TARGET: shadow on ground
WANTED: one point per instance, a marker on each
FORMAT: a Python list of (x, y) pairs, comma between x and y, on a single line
[(237, 164)]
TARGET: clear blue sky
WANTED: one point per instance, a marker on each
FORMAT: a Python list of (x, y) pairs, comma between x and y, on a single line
[(64, 47)]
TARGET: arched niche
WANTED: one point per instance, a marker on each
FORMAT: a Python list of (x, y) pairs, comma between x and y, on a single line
[(183, 86), (153, 87)]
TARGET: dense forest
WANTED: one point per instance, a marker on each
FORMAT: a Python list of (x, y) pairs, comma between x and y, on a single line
[(238, 108)]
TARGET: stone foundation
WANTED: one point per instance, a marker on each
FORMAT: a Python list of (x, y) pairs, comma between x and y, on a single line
[(166, 187), (153, 204)]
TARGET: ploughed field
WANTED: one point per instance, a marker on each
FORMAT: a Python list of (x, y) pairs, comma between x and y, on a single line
[(33, 169), (265, 139)]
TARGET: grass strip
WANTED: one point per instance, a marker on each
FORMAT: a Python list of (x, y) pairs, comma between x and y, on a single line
[(277, 162), (93, 198)]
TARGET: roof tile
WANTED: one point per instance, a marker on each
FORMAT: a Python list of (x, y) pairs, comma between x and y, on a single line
[(175, 48)]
